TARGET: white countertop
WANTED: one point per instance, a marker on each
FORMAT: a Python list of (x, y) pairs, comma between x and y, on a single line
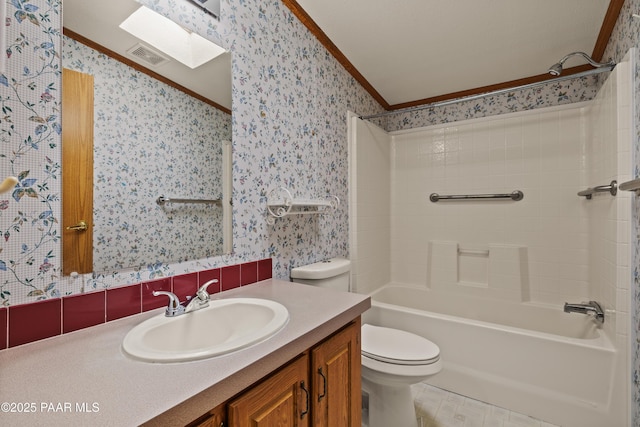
[(84, 378)]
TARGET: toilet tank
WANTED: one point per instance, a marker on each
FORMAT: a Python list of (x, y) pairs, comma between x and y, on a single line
[(332, 273)]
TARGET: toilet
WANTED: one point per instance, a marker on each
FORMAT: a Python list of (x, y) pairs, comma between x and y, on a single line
[(392, 359)]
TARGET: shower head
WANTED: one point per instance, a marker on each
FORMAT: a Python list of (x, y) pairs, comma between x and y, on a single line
[(556, 69)]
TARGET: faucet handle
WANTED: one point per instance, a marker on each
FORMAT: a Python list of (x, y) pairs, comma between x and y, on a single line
[(174, 308), (202, 291)]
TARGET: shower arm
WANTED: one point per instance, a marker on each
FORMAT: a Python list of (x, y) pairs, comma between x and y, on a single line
[(589, 60)]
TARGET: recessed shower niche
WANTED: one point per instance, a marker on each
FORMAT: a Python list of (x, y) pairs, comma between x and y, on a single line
[(497, 271)]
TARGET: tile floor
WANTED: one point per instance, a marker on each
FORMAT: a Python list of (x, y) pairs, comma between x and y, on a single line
[(439, 408)]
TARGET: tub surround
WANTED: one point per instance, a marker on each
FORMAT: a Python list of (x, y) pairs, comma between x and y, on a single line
[(527, 316), (163, 394), (26, 323), (499, 271), (552, 247), (547, 364)]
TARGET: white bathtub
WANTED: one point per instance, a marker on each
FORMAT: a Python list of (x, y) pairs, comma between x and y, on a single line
[(535, 360)]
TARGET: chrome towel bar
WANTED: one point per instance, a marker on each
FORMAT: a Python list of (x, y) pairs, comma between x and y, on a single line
[(474, 252), (612, 189), (162, 200), (515, 196)]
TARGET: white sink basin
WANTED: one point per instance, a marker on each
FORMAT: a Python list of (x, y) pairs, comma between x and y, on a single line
[(224, 326)]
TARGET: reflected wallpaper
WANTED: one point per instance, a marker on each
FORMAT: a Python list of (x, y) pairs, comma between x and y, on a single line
[(150, 140)]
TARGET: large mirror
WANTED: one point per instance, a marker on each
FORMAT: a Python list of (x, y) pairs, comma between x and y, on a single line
[(168, 136)]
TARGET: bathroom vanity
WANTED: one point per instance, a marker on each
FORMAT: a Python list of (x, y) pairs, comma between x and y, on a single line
[(84, 378), (321, 387)]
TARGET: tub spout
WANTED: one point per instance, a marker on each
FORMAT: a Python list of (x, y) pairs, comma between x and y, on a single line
[(590, 308)]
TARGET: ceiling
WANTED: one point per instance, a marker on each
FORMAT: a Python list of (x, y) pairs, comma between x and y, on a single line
[(99, 20), (407, 52), (415, 51)]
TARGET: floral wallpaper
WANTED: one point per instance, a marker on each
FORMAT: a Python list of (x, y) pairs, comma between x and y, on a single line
[(290, 100), (150, 140), (557, 93), (30, 129)]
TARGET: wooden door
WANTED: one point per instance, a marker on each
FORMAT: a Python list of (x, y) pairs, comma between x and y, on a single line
[(282, 400), (335, 369), (77, 172)]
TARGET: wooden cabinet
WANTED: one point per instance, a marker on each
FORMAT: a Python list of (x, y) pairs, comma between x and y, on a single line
[(335, 364), (281, 400), (215, 418), (320, 388)]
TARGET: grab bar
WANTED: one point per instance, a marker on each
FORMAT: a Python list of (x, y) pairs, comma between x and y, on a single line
[(515, 196), (612, 188), (633, 185), (162, 200)]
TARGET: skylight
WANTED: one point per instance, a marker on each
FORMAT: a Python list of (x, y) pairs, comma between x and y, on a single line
[(167, 36)]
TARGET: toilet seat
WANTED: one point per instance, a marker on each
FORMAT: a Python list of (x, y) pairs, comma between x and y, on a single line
[(397, 347)]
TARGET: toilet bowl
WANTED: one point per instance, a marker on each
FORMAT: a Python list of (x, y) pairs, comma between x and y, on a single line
[(392, 359)]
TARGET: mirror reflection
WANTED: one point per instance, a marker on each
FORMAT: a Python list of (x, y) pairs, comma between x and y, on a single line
[(151, 138)]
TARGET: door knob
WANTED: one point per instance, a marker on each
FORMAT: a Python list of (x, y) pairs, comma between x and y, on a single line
[(80, 226)]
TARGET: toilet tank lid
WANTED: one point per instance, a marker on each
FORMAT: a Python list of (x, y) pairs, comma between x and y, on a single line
[(322, 270)]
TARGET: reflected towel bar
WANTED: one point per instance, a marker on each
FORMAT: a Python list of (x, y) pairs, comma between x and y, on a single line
[(611, 188), (162, 200), (515, 196), (474, 252)]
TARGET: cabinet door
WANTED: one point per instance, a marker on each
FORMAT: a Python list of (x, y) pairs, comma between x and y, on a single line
[(216, 418), (335, 369), (280, 401)]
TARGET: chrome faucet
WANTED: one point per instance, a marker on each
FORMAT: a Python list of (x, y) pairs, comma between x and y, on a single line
[(200, 300), (174, 308), (590, 308)]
